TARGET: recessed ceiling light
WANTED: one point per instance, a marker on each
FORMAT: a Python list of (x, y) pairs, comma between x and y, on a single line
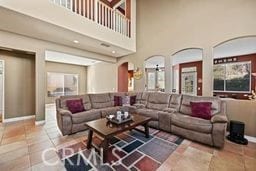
[(76, 41), (113, 51)]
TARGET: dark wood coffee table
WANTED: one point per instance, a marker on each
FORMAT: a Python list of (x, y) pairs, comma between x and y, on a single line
[(107, 130)]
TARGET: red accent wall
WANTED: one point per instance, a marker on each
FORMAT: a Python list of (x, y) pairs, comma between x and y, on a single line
[(243, 58), (199, 66), (123, 77)]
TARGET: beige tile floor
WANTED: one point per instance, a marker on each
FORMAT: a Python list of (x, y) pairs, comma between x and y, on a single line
[(22, 144)]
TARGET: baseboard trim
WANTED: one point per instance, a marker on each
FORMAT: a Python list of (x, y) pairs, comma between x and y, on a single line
[(18, 119), (40, 122), (251, 139)]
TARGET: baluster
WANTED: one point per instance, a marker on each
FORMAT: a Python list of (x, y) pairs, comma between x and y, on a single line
[(100, 12), (96, 11), (105, 15), (79, 7), (109, 16), (71, 5), (87, 9), (111, 19), (75, 6), (120, 26), (91, 9), (84, 8)]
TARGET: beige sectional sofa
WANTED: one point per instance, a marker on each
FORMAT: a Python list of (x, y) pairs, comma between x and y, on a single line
[(169, 112)]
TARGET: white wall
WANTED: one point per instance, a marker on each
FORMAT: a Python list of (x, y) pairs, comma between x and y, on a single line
[(49, 12), (102, 77), (236, 47), (167, 26), (15, 41)]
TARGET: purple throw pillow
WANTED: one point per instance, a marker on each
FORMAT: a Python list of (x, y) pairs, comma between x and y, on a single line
[(132, 100), (75, 105), (118, 101), (201, 110)]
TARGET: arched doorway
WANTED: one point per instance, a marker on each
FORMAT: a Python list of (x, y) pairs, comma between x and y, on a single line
[(234, 69), (125, 77), (187, 71), (155, 73)]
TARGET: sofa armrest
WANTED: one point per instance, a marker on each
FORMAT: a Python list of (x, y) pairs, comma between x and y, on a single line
[(165, 121), (64, 120), (218, 134), (219, 119), (64, 112)]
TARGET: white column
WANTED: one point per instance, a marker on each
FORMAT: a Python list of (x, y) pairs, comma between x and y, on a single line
[(40, 86), (207, 71), (172, 75), (168, 74)]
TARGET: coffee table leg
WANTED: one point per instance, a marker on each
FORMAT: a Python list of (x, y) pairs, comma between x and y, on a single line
[(105, 150), (146, 130), (89, 141)]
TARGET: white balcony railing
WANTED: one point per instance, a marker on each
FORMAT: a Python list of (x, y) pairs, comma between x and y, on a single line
[(100, 13)]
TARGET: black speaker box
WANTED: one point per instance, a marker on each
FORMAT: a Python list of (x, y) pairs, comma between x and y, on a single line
[(236, 130)]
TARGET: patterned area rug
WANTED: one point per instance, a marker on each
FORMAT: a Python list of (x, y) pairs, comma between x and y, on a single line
[(128, 151)]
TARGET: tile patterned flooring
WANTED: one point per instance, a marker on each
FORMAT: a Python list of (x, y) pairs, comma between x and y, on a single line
[(22, 144)]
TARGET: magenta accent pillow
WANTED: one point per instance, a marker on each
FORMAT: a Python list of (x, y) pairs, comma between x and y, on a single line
[(75, 105), (201, 110), (118, 101), (132, 100)]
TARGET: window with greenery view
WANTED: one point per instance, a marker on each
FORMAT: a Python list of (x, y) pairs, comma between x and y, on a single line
[(232, 77)]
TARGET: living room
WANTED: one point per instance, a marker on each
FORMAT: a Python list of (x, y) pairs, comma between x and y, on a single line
[(166, 54)]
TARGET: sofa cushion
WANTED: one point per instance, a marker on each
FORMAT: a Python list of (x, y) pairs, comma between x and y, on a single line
[(144, 98), (75, 105), (149, 113), (126, 100), (191, 123), (138, 96), (85, 98), (201, 110), (185, 107), (109, 110), (175, 101), (86, 116), (100, 101), (158, 101)]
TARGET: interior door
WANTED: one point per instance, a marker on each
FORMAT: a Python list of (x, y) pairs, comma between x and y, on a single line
[(189, 83)]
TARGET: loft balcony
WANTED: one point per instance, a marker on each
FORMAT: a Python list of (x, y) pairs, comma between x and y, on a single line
[(101, 26), (116, 18)]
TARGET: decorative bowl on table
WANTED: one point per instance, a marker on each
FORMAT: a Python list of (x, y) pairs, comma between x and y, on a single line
[(119, 117)]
